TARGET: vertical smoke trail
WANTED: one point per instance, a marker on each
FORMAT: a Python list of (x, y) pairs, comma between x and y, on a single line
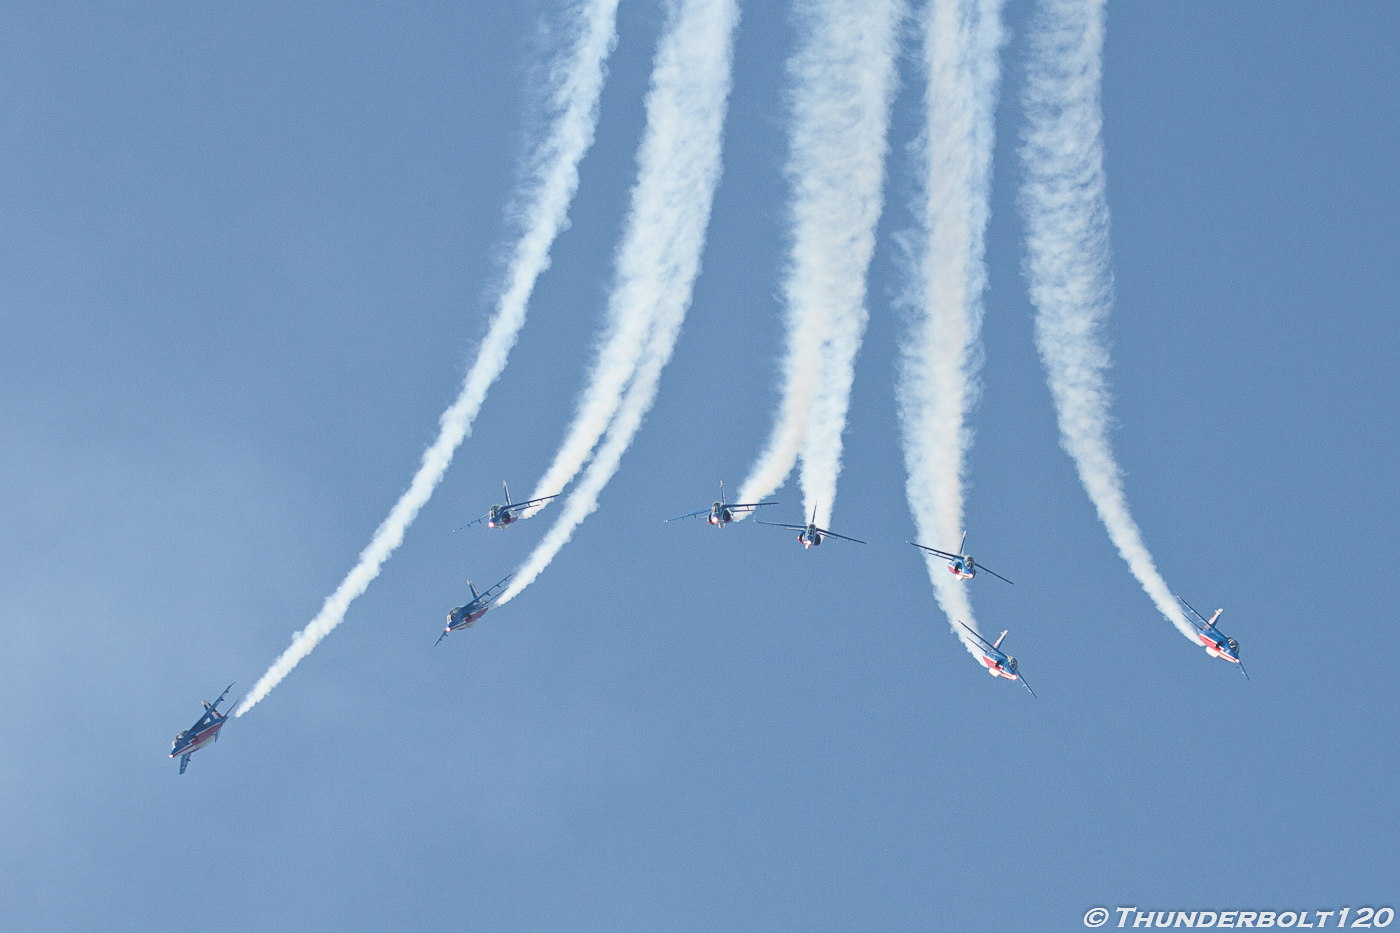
[(842, 82), (678, 167), (1068, 264), (942, 352), (550, 180)]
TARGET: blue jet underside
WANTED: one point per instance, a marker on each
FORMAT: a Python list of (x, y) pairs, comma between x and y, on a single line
[(203, 732), (467, 616)]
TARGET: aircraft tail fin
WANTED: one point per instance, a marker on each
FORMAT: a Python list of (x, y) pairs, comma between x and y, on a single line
[(475, 594), (1217, 615), (962, 545), (997, 643), (184, 763), (507, 489)]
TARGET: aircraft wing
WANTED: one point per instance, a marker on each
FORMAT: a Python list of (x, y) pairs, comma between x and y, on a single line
[(487, 594), (781, 525), (184, 762), (531, 503), (975, 635), (1022, 678), (473, 522), (1242, 670), (689, 515), (981, 567), (933, 550), (1187, 606), (748, 506), (832, 534)]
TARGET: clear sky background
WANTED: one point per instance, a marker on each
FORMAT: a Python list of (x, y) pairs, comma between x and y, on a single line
[(244, 259)]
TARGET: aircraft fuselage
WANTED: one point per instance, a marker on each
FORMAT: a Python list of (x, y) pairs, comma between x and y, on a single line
[(465, 616), (1216, 643), (998, 668), (500, 517), (189, 742), (720, 515), (1218, 646)]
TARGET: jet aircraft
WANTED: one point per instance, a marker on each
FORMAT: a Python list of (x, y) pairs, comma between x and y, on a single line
[(960, 565), (811, 535), (205, 730), (722, 513), (466, 616), (1216, 643), (998, 662), (499, 516)]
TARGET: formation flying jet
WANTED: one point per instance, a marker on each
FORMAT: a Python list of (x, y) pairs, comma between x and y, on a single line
[(721, 513), (998, 662), (499, 516), (466, 616), (205, 730), (811, 535), (1216, 643), (960, 565)]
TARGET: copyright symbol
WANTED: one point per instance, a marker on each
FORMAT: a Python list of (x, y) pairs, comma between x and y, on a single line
[(1096, 917)]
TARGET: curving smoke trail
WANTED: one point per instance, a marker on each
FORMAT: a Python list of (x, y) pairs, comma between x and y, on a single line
[(1068, 263), (942, 352), (550, 181), (678, 167), (657, 261), (842, 82)]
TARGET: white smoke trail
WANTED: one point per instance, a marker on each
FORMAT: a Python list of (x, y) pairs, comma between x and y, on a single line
[(1068, 263), (942, 352), (842, 82), (550, 181), (658, 258), (678, 167)]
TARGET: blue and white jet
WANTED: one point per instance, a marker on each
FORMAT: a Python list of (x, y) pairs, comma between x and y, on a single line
[(960, 565), (721, 513), (205, 730), (499, 516), (811, 536), (997, 662), (466, 616), (1216, 642)]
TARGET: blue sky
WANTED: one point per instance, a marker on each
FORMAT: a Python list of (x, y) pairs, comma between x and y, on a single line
[(245, 253)]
